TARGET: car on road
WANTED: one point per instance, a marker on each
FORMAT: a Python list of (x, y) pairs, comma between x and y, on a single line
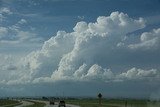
[(61, 104), (51, 102)]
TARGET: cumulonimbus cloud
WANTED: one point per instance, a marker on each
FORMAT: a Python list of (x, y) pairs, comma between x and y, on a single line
[(90, 51)]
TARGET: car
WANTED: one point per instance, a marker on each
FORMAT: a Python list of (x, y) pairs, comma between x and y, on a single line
[(51, 102), (61, 104)]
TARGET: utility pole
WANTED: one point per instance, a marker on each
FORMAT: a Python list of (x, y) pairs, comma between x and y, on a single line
[(126, 103)]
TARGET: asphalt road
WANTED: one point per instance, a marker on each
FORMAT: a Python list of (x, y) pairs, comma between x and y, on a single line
[(25, 103), (48, 105), (56, 105)]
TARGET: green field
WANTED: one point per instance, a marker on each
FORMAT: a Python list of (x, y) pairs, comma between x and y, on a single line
[(113, 103), (92, 103), (4, 102)]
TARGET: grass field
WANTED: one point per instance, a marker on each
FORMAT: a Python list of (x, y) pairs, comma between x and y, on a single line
[(113, 103), (92, 103), (13, 105), (4, 102)]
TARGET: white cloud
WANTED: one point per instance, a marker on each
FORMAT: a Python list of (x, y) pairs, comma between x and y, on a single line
[(52, 51), (8, 68), (18, 34), (94, 41), (139, 74), (3, 31), (24, 35), (97, 73), (81, 17), (86, 54), (75, 54), (148, 40), (1, 17), (21, 37), (5, 10), (22, 21), (116, 23)]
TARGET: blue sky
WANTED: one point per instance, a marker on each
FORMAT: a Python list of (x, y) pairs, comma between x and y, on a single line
[(113, 44), (57, 15)]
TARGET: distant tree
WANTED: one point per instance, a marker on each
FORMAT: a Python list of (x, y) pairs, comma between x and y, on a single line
[(100, 99), (44, 98)]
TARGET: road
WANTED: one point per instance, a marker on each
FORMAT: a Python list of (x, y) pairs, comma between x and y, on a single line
[(56, 104), (25, 103)]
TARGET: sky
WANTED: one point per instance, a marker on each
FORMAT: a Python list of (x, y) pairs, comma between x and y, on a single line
[(80, 48)]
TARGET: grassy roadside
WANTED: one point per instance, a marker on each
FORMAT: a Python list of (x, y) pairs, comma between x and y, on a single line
[(13, 105), (113, 103), (87, 103), (4, 102), (36, 104)]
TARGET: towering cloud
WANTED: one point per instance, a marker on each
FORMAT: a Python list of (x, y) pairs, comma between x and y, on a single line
[(89, 52), (99, 51)]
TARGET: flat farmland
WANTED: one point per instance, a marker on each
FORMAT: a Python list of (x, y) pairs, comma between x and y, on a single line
[(114, 103), (5, 102), (84, 102)]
